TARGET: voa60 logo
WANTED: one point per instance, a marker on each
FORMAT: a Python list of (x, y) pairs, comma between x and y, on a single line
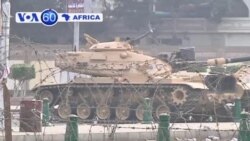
[(48, 17)]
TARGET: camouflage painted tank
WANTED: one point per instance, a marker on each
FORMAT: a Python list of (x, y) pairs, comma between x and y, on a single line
[(243, 76), (121, 77)]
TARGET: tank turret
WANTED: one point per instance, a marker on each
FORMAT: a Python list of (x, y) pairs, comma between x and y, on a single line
[(224, 87), (113, 59)]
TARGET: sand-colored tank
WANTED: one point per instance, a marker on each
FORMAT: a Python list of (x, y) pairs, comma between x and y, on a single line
[(119, 78), (243, 76)]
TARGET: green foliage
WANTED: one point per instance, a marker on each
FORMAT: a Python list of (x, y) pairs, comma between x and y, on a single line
[(197, 69), (217, 69), (214, 69), (22, 72), (226, 69), (135, 14), (233, 69)]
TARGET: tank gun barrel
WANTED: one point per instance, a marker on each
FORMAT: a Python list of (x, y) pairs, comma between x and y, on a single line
[(221, 61), (210, 62)]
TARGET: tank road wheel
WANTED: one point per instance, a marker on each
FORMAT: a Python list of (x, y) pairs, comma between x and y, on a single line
[(122, 112), (179, 96), (46, 94), (103, 111), (64, 110), (139, 112), (161, 109), (83, 111)]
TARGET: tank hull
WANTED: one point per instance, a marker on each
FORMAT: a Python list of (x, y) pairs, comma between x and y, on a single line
[(111, 101)]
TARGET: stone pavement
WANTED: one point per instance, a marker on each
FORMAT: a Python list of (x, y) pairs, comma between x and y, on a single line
[(126, 132)]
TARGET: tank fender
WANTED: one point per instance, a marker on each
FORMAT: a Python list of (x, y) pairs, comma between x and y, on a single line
[(194, 85)]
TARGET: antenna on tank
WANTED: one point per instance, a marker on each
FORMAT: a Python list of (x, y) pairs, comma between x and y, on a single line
[(151, 30)]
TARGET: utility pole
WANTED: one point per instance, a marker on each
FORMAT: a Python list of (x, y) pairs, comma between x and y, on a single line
[(2, 53), (2, 71), (7, 113), (25, 85), (83, 6), (75, 7), (75, 43), (5, 32), (76, 36), (4, 63)]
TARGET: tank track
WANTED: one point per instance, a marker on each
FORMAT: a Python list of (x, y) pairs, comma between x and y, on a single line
[(124, 103)]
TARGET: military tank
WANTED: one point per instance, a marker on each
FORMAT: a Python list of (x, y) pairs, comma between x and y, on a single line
[(243, 76), (119, 78)]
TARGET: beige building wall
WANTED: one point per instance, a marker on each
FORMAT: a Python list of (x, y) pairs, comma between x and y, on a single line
[(46, 73)]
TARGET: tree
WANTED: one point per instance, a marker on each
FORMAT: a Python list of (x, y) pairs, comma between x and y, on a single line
[(21, 73), (134, 13)]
